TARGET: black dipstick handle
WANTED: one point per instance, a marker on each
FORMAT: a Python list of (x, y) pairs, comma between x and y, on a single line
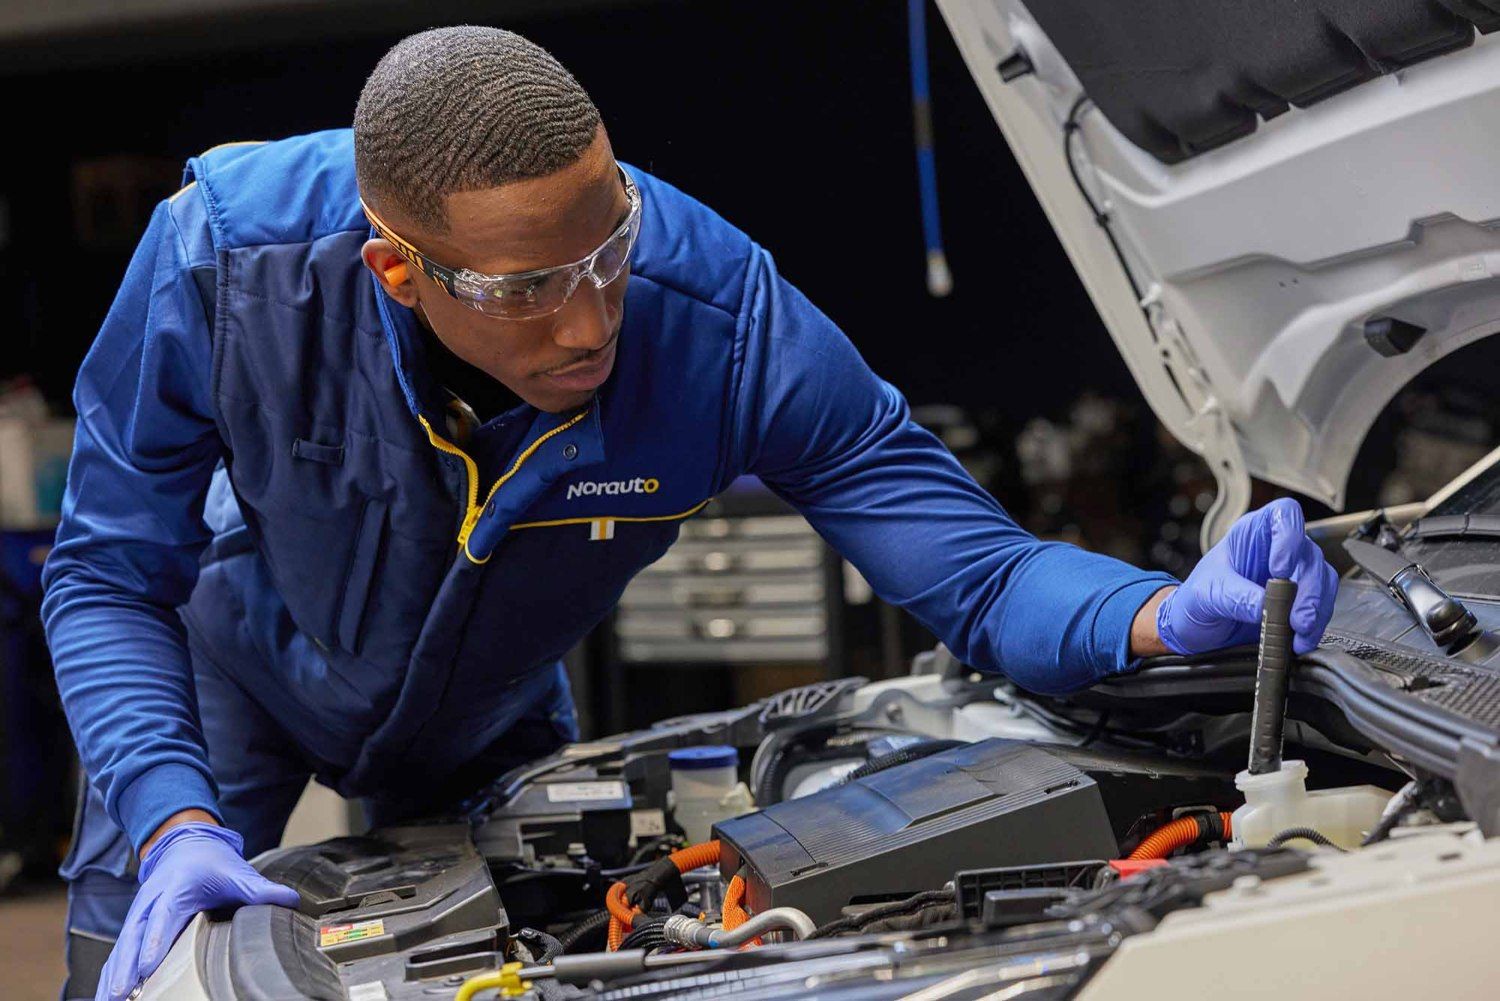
[(1273, 665)]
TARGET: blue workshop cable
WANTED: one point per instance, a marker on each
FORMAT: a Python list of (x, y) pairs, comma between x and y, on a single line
[(939, 278)]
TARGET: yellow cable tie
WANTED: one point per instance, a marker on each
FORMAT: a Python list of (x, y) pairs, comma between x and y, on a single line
[(511, 984), (507, 980)]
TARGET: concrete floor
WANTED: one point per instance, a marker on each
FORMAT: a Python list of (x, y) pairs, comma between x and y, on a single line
[(31, 937)]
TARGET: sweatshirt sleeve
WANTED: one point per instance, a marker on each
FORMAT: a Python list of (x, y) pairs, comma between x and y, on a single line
[(822, 431), (132, 530)]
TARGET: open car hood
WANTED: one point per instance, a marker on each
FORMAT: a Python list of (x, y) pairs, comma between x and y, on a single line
[(1298, 203)]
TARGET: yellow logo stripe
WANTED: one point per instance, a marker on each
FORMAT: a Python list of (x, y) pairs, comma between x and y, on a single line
[(610, 517)]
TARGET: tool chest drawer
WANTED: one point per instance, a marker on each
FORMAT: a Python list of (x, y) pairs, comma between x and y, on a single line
[(731, 589)]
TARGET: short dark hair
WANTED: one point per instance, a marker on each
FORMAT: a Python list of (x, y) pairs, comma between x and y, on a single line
[(463, 109)]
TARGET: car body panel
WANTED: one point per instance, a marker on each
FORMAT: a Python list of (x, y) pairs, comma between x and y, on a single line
[(1260, 262)]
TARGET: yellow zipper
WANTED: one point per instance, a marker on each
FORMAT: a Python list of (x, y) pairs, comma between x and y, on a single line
[(474, 508)]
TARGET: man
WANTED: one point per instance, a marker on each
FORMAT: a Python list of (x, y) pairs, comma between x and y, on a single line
[(382, 423)]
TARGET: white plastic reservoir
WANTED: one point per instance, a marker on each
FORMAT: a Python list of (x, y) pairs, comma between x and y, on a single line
[(1279, 801), (706, 789)]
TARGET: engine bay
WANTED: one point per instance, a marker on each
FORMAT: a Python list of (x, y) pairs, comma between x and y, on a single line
[(949, 835), (942, 832)]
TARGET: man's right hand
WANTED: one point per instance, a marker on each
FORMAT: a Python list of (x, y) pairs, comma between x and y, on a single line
[(191, 867)]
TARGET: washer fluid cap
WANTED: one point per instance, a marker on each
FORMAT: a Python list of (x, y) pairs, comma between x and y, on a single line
[(708, 756)]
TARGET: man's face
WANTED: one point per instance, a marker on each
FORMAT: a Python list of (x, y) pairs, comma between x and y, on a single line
[(556, 362)]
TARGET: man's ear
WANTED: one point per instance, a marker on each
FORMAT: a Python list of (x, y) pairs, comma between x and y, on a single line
[(391, 271)]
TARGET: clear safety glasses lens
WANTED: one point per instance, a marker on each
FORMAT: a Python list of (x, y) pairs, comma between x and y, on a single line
[(540, 293)]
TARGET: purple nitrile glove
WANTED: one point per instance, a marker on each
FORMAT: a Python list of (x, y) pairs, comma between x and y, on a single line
[(1219, 604), (193, 867)]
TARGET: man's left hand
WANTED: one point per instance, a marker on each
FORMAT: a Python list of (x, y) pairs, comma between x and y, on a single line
[(1219, 604)]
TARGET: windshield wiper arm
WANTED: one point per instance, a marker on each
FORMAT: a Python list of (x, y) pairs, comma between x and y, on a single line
[(1442, 617)]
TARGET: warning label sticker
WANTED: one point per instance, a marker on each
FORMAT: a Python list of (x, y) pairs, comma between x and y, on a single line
[(339, 934), (647, 823), (591, 792), (372, 991)]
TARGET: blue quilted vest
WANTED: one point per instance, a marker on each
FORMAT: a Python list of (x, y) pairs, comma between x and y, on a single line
[(393, 612)]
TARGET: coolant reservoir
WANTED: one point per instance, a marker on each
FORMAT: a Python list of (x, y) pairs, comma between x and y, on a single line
[(706, 789), (1279, 801)]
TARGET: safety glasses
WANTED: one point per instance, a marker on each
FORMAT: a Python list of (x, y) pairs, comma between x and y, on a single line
[(527, 294)]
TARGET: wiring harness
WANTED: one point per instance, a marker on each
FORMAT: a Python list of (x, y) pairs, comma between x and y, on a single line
[(1198, 828), (630, 897)]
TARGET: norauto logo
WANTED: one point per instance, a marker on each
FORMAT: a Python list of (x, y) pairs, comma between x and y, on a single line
[(611, 488)]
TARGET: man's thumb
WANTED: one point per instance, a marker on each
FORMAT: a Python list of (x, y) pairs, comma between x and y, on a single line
[(259, 890)]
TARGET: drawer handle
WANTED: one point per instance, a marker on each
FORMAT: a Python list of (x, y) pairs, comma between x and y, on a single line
[(719, 598), (718, 629)]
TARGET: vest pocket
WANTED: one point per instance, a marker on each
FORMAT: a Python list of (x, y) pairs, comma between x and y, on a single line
[(359, 576), (329, 455)]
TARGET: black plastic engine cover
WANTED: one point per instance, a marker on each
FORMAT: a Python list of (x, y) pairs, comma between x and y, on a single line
[(385, 915), (909, 828)]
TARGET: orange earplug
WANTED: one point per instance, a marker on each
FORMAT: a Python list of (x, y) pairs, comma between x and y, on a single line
[(396, 274)]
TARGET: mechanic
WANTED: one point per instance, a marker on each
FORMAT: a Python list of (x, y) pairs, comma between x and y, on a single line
[(351, 476)]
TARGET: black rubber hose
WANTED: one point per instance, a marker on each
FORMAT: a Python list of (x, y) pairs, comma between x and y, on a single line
[(1274, 665), (585, 931), (542, 946), (894, 908), (644, 851), (769, 789), (905, 755), (1302, 834), (646, 934), (919, 920)]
